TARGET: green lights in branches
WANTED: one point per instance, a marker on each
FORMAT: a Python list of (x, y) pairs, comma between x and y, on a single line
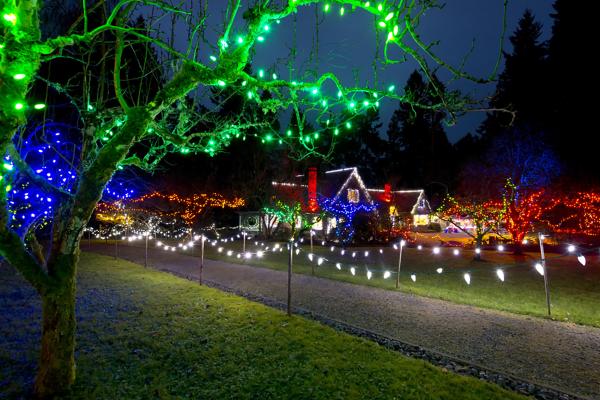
[(10, 17)]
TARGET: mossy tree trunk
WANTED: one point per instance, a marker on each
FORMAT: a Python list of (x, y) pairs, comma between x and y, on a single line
[(56, 370)]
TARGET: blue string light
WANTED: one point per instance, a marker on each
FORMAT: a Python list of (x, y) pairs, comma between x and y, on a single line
[(344, 212), (52, 154)]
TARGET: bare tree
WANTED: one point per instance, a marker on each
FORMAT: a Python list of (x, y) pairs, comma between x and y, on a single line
[(122, 123)]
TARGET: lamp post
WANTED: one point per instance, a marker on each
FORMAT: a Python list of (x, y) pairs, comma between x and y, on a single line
[(289, 280), (146, 252), (201, 258), (543, 262), (400, 247)]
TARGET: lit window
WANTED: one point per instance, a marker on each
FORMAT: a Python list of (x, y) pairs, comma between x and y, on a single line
[(353, 196)]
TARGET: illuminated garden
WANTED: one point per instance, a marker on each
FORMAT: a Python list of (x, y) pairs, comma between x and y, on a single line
[(308, 199)]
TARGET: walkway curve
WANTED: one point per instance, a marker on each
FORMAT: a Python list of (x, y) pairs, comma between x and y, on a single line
[(554, 354)]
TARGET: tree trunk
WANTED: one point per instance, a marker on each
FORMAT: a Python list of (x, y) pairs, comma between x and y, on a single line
[(478, 245), (56, 370)]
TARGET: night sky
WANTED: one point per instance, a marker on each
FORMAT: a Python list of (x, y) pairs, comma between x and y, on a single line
[(346, 46)]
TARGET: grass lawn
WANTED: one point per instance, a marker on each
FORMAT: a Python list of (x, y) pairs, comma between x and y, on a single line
[(574, 290), (147, 334)]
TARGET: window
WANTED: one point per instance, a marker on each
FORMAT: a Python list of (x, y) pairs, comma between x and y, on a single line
[(353, 196)]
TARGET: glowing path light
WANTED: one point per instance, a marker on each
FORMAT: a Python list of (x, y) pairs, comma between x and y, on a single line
[(353, 271), (419, 247), (439, 270), (229, 253), (259, 254), (500, 248), (331, 248), (413, 277), (456, 252), (320, 261), (436, 250), (367, 253), (571, 248), (310, 256), (478, 251), (338, 266), (500, 274), (387, 274), (467, 278), (369, 275), (581, 259)]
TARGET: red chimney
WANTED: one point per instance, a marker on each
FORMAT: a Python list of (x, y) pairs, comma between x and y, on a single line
[(312, 189), (387, 192)]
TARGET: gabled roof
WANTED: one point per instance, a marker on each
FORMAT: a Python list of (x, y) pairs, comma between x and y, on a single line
[(405, 201), (337, 181)]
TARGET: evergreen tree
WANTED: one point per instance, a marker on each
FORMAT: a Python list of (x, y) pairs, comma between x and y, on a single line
[(361, 146), (520, 87), (417, 147), (572, 118)]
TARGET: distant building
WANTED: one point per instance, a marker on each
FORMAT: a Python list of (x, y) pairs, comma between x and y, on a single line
[(344, 186)]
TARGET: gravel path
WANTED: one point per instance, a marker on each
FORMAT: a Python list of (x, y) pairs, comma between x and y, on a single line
[(553, 354)]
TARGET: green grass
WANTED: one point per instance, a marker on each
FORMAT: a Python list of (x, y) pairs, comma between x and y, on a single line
[(574, 290), (147, 334)]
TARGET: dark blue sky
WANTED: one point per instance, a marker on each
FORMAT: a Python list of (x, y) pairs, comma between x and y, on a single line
[(347, 46)]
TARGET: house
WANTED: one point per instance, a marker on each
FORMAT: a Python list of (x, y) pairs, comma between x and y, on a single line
[(342, 191)]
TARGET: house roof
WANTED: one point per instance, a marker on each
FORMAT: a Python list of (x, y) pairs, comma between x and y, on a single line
[(334, 183), (405, 201)]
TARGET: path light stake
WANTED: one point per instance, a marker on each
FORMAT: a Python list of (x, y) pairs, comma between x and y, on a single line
[(201, 258), (312, 233), (146, 252), (289, 288), (543, 262), (400, 247), (116, 247), (244, 242)]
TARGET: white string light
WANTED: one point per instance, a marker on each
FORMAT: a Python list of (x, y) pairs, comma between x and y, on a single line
[(467, 278), (539, 269), (500, 274)]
